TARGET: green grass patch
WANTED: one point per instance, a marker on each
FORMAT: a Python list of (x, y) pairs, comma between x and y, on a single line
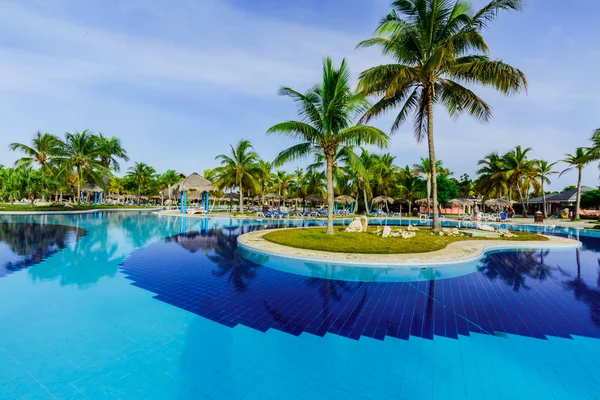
[(370, 243), (26, 207)]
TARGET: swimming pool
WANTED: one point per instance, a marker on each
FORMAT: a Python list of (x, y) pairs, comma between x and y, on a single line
[(139, 306)]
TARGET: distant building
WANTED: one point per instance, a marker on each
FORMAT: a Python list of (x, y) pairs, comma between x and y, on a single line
[(558, 201)]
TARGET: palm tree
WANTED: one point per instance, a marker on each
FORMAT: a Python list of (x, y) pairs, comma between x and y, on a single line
[(82, 153), (43, 150), (110, 151), (365, 168), (327, 112), (577, 161), (490, 181), (170, 178), (141, 174), (543, 170), (436, 45), (242, 165), (517, 168), (282, 181), (424, 168), (410, 186)]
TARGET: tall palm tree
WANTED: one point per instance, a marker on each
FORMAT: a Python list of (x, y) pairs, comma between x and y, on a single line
[(82, 153), (242, 165), (577, 161), (43, 150), (543, 171), (327, 111), (436, 45), (141, 174), (110, 151), (518, 168)]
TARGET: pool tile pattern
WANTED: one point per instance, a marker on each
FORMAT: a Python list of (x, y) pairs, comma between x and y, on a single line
[(527, 293)]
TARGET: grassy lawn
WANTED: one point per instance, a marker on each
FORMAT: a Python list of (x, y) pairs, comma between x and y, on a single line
[(369, 243), (25, 207)]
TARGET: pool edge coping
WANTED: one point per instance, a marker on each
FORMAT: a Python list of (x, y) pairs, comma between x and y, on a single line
[(66, 212)]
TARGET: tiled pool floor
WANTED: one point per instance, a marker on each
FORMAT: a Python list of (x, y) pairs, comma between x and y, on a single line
[(74, 327)]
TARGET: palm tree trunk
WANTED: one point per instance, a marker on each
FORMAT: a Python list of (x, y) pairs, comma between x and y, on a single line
[(544, 211), (365, 199), (522, 200), (429, 194), (437, 226), (330, 194), (241, 198), (79, 185), (576, 213)]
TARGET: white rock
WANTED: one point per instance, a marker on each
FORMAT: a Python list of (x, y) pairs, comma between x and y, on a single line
[(364, 222), (407, 235), (412, 228), (355, 226), (386, 231), (486, 228)]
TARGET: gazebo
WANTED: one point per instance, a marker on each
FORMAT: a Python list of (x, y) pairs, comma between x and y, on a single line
[(345, 199), (194, 182), (95, 189)]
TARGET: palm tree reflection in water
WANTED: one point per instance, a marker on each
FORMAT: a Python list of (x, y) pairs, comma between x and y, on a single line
[(515, 267), (584, 293), (31, 243)]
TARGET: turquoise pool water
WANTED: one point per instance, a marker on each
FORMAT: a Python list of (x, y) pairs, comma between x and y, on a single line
[(137, 306)]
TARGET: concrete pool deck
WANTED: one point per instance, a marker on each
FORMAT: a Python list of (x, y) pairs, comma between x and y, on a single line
[(454, 253), (587, 224)]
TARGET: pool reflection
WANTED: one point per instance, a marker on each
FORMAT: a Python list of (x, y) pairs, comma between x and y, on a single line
[(527, 293), (23, 245)]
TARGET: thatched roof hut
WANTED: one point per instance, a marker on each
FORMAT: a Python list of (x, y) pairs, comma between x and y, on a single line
[(232, 196), (498, 204), (344, 199), (273, 196), (422, 202), (89, 187), (461, 203), (382, 199), (195, 182), (314, 198)]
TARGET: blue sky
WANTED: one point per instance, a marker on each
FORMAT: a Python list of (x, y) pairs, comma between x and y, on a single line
[(180, 80)]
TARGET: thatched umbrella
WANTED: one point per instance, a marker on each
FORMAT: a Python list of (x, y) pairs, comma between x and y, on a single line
[(195, 182), (296, 200), (383, 199), (344, 199), (231, 197), (314, 198), (273, 196), (498, 204)]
